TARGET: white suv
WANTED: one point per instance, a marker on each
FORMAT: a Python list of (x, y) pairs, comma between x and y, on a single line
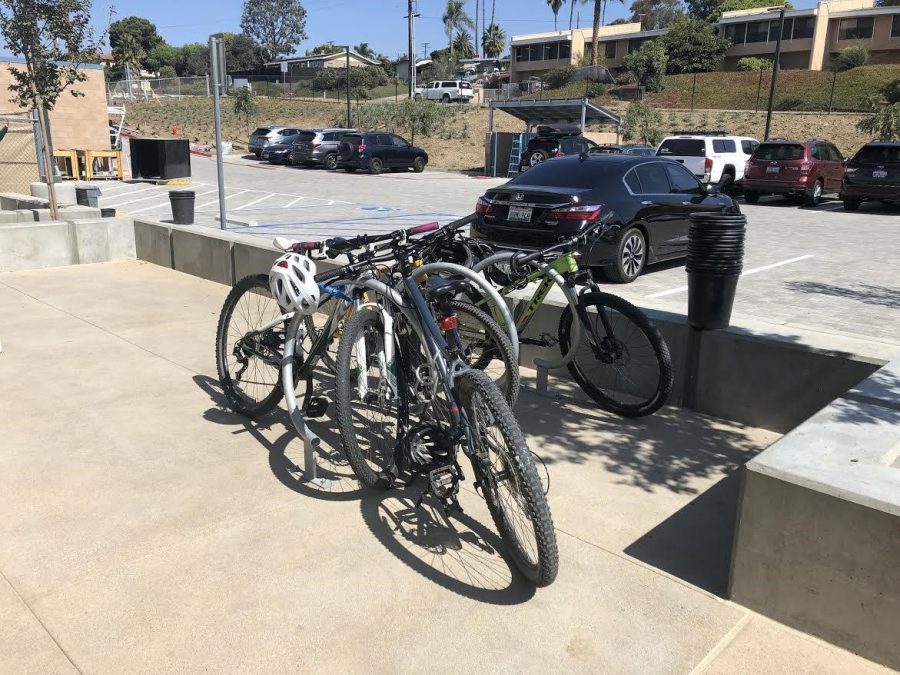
[(712, 156), (446, 91)]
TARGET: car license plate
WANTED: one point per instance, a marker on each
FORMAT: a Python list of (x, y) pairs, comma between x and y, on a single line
[(877, 173), (520, 214), (773, 169)]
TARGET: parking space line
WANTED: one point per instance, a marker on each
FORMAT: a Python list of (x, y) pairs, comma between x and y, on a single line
[(287, 206), (681, 289), (128, 194), (255, 201), (133, 201), (216, 201)]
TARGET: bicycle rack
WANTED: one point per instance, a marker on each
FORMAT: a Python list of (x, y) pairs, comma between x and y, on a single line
[(310, 440)]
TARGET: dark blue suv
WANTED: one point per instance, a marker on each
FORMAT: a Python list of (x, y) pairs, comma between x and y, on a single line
[(375, 151)]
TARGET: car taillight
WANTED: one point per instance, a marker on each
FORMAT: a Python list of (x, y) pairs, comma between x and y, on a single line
[(707, 165), (483, 206), (559, 153), (851, 168), (361, 148), (806, 167), (580, 212)]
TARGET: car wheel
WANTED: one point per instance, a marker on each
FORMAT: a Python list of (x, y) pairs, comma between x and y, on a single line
[(330, 161), (631, 256), (445, 98), (814, 197), (537, 157), (417, 97), (851, 204), (350, 169), (376, 166), (726, 183), (751, 197), (258, 154), (419, 164)]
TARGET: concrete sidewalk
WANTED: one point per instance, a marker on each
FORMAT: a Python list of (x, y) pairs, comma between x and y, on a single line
[(147, 528)]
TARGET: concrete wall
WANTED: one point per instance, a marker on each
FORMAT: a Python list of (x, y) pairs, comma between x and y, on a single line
[(36, 245)]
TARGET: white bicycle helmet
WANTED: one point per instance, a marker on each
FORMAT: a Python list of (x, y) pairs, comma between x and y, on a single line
[(293, 283)]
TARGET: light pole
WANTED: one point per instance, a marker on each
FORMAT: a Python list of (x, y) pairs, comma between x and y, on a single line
[(346, 49), (775, 68)]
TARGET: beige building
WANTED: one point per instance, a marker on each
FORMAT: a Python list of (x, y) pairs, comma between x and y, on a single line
[(812, 37), (308, 65)]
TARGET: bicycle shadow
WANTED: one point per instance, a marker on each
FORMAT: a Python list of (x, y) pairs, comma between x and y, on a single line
[(461, 555)]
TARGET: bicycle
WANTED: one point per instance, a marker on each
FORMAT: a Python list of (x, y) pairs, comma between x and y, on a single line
[(407, 404)]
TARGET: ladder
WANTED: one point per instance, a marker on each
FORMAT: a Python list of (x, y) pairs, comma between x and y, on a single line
[(515, 156)]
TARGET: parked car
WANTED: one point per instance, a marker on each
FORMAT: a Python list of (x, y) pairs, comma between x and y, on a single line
[(640, 150), (270, 135), (800, 169), (872, 173), (644, 204), (606, 150), (318, 146), (376, 151), (712, 156), (446, 91), (556, 140), (280, 153)]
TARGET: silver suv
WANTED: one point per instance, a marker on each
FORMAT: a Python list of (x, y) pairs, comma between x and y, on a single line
[(318, 146), (271, 135)]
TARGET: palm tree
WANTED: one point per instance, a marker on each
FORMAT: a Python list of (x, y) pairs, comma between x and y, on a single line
[(493, 41), (129, 54), (462, 45), (555, 6), (572, 11), (455, 19), (477, 7), (595, 37), (363, 49)]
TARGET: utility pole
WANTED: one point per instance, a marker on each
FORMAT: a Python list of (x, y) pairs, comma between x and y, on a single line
[(425, 49), (217, 66), (411, 17), (348, 88), (781, 10)]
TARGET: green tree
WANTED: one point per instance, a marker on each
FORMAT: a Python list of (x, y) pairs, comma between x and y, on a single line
[(693, 47), (555, 6), (704, 10), (277, 25), (648, 65), (193, 60), (245, 105), (242, 52), (891, 91), (455, 20), (52, 36), (129, 54), (851, 57), (734, 5), (754, 64), (143, 30), (618, 22), (462, 45), (160, 56), (167, 72), (884, 123), (643, 123), (363, 49), (493, 41), (655, 14), (324, 49)]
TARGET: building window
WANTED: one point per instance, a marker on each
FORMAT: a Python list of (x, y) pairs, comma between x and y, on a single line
[(554, 51), (736, 32), (775, 27), (856, 29), (634, 44), (803, 27), (895, 26), (521, 54), (543, 51), (610, 50), (565, 50), (757, 31)]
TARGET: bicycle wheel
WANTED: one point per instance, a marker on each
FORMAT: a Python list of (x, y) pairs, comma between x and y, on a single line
[(247, 360), (628, 370), (509, 479), (487, 348), (369, 416)]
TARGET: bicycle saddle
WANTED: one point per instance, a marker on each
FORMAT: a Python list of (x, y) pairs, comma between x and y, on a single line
[(440, 289)]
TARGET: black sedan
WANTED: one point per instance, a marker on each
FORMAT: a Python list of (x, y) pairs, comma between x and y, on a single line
[(644, 204), (280, 153)]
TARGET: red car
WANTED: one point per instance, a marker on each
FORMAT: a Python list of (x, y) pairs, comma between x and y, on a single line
[(803, 170)]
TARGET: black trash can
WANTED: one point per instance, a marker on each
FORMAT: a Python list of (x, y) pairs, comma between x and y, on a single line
[(107, 213), (182, 206), (714, 263), (87, 196)]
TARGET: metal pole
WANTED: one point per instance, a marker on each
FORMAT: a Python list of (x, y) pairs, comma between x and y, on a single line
[(693, 92), (39, 147), (220, 168), (207, 84), (758, 91), (774, 76), (348, 88), (831, 98), (583, 113), (412, 52)]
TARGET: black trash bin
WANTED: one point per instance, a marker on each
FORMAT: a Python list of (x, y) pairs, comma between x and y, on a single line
[(107, 213), (87, 196), (714, 263), (182, 206)]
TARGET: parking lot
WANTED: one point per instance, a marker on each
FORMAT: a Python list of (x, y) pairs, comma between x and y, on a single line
[(823, 269)]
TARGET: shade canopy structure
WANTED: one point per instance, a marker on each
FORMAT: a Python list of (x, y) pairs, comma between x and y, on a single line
[(575, 110)]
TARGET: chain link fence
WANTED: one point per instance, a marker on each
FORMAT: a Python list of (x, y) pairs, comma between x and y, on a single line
[(146, 90), (18, 156)]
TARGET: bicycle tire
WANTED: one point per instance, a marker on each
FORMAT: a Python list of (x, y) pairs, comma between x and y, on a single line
[(358, 450), (486, 409), (494, 345), (659, 385), (270, 392)]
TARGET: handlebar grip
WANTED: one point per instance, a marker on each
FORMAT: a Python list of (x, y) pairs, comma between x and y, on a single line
[(306, 246), (422, 229)]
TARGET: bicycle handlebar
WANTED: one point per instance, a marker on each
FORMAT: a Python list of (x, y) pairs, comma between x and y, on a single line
[(563, 245)]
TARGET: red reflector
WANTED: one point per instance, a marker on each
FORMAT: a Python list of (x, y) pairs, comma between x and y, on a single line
[(708, 164), (559, 153), (282, 263), (361, 148), (448, 323)]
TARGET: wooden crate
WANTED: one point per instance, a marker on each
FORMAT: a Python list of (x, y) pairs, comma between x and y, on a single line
[(102, 164), (67, 162)]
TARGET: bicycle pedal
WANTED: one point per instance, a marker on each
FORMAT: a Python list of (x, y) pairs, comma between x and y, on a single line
[(316, 407), (549, 340)]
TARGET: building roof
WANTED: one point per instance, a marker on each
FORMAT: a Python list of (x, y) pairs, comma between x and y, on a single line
[(325, 57)]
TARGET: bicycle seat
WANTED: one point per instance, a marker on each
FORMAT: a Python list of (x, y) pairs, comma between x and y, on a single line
[(283, 243), (440, 289)]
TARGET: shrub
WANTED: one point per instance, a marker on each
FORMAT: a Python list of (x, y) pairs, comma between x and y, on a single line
[(367, 77), (642, 122), (594, 89), (891, 91), (851, 57), (409, 117), (559, 77), (167, 72), (884, 124), (754, 64), (648, 65)]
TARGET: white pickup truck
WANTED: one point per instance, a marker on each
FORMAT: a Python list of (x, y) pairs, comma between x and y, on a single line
[(713, 157), (446, 91)]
